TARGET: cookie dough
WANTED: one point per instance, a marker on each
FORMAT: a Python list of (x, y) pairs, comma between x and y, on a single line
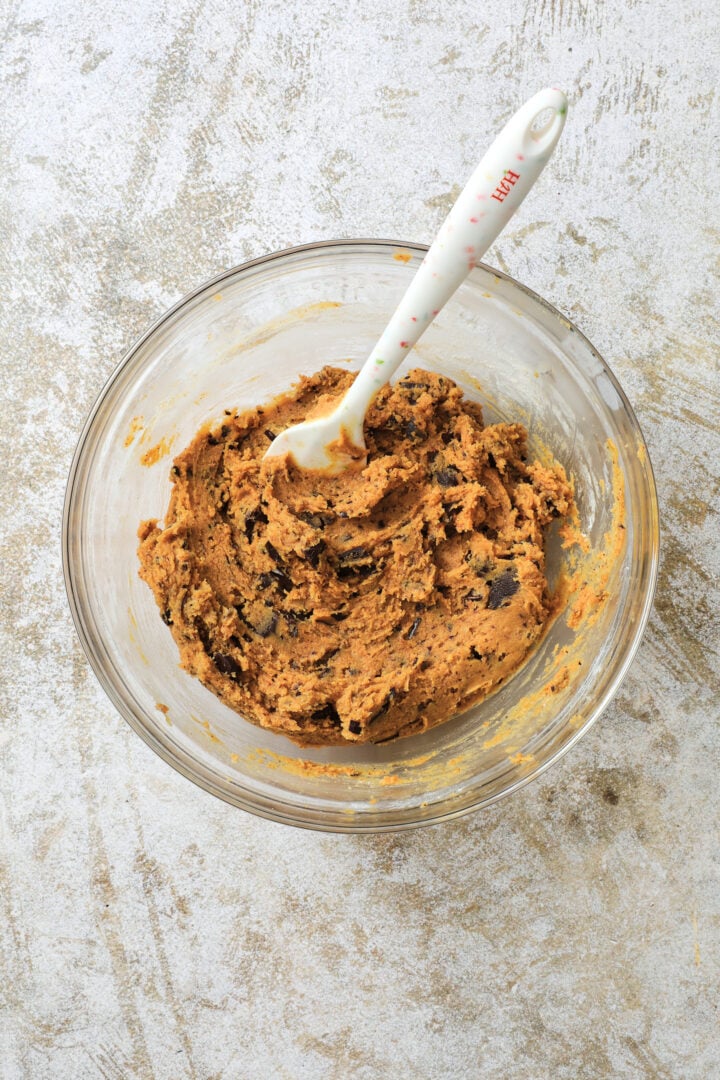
[(364, 606)]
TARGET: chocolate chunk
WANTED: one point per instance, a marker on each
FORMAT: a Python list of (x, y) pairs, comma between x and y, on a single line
[(355, 727), (355, 554), (413, 629), (502, 588), (268, 624), (385, 706), (211, 440), (447, 437), (227, 665), (282, 581), (316, 520), (475, 655), (327, 712), (447, 477), (167, 617), (300, 616), (312, 554), (204, 634), (474, 596), (412, 431), (273, 553), (270, 434), (491, 461), (265, 581), (340, 616), (252, 519), (355, 570)]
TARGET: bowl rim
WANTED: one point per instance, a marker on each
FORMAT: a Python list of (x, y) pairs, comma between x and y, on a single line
[(274, 810)]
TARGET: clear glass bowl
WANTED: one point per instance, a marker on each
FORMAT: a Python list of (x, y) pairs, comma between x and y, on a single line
[(243, 338)]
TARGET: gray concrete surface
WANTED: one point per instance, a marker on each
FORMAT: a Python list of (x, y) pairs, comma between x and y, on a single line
[(148, 930)]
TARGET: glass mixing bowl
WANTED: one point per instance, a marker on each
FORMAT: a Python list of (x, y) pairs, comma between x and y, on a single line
[(238, 341)]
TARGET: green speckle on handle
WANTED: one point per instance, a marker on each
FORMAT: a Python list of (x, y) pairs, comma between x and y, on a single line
[(562, 110), (379, 361)]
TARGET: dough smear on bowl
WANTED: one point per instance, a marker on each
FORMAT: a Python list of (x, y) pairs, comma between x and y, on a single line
[(364, 606)]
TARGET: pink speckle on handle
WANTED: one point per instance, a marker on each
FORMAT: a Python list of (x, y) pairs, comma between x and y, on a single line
[(520, 157), (474, 220), (470, 249), (481, 197), (436, 311), (413, 318), (404, 344)]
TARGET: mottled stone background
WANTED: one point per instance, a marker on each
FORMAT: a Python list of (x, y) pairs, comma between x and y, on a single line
[(148, 930)]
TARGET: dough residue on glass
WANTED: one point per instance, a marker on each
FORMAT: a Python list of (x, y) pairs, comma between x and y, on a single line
[(363, 606)]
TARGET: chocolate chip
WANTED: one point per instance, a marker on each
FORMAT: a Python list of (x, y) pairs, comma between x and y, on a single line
[(473, 596), (301, 616), (491, 461), (273, 553), (355, 727), (340, 616), (227, 665), (211, 440), (252, 519), (174, 471), (312, 554), (224, 431), (447, 477), (412, 431), (475, 655), (270, 434), (167, 617), (265, 581), (447, 437), (413, 629)]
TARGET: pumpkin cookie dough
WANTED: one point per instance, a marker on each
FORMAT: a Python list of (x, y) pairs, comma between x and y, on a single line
[(364, 606)]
